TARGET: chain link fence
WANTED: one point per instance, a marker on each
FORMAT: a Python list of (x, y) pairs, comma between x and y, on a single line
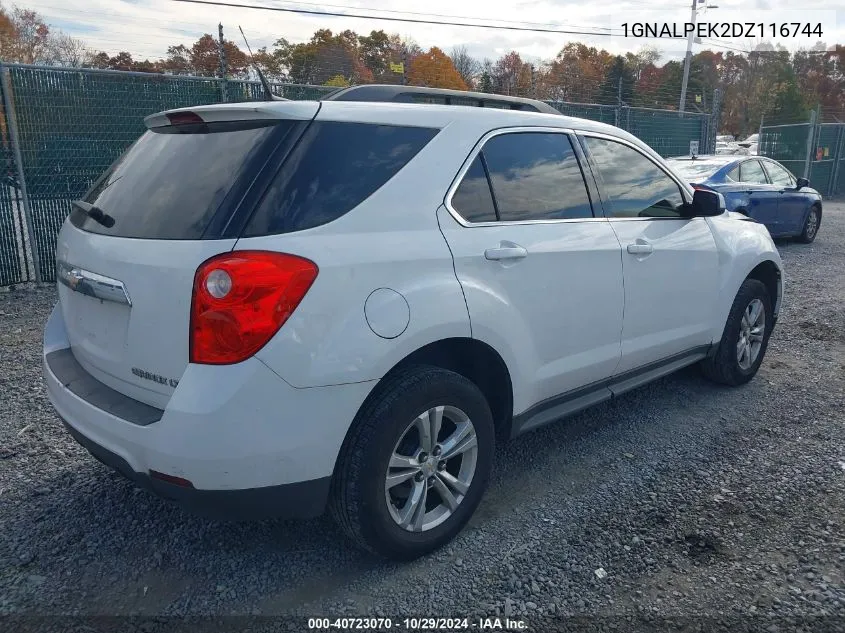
[(812, 150), (61, 128)]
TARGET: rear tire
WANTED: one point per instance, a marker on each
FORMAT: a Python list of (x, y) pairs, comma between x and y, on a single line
[(811, 225), (745, 338), (386, 443)]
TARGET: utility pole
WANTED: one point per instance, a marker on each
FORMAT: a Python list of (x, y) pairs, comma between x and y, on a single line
[(688, 59), (222, 55), (404, 68), (533, 82), (715, 118)]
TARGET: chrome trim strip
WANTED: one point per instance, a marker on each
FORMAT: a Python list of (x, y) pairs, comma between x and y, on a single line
[(92, 284), (477, 149)]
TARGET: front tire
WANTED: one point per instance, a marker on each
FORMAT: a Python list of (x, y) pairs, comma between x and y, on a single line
[(415, 465), (811, 225), (745, 338)]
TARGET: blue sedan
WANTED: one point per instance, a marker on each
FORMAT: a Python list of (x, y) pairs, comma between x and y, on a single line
[(760, 188)]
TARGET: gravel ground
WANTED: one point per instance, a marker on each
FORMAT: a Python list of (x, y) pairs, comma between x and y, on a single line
[(704, 504)]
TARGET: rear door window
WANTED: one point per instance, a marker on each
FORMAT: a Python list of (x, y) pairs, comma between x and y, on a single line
[(536, 176), (172, 181), (334, 167)]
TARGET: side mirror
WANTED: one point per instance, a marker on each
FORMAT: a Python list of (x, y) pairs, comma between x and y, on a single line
[(801, 183), (706, 203)]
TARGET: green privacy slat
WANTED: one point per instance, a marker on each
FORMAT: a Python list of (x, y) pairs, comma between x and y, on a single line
[(13, 268), (788, 144), (73, 124)]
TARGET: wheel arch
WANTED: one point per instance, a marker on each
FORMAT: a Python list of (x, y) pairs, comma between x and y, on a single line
[(771, 276), (475, 360)]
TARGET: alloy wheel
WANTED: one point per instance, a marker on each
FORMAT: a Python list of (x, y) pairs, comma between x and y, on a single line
[(812, 224), (752, 331), (431, 468)]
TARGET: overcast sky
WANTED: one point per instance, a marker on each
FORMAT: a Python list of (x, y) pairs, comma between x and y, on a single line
[(146, 27)]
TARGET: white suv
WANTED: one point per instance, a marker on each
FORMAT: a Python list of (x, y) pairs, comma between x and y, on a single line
[(268, 309)]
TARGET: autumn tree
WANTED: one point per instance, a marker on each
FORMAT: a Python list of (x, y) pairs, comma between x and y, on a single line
[(578, 71), (820, 75), (485, 80), (646, 57), (511, 75), (618, 84), (274, 63), (122, 61), (327, 56), (435, 70), (376, 54), (647, 87), (177, 61), (26, 39), (404, 48), (29, 36), (468, 67), (204, 57)]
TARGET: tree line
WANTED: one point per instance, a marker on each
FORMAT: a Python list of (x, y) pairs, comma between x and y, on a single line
[(768, 83)]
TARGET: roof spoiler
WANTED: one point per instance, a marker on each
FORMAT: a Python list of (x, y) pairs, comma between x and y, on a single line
[(246, 111)]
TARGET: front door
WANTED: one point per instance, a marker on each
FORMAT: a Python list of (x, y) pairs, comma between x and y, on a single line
[(670, 263)]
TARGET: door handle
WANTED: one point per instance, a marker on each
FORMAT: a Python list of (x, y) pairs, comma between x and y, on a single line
[(640, 249), (506, 250)]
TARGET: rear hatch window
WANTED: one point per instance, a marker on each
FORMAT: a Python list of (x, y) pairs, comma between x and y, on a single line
[(175, 180), (334, 167)]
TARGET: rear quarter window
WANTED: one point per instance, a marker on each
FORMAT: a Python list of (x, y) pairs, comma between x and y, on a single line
[(333, 169)]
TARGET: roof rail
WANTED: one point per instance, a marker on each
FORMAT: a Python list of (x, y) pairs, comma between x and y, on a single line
[(419, 94)]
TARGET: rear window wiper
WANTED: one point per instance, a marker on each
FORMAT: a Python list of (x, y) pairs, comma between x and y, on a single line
[(95, 213)]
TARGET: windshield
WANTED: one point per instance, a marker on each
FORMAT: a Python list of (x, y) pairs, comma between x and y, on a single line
[(694, 170), (170, 183)]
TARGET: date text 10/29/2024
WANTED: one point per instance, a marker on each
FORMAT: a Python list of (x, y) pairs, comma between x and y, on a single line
[(417, 624)]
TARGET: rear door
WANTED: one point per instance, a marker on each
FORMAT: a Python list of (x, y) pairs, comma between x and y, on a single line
[(538, 269), (763, 197), (127, 254)]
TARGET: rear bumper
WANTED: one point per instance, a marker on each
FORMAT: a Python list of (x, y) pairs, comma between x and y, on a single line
[(249, 443), (301, 500)]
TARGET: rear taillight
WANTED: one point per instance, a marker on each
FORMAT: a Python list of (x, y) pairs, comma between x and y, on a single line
[(240, 301)]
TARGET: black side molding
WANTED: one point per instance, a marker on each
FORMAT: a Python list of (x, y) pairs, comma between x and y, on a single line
[(553, 409), (79, 382)]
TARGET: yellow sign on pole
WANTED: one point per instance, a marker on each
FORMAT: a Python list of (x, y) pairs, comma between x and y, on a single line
[(397, 68), (698, 98)]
